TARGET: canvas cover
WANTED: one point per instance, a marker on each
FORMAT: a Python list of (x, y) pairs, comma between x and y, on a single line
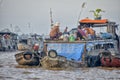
[(72, 51)]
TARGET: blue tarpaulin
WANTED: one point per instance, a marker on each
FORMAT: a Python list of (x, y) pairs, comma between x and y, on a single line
[(69, 50)]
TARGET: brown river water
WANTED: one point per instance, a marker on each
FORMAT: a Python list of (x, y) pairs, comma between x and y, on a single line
[(10, 70)]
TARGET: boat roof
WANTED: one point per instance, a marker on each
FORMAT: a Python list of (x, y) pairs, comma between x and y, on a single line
[(91, 21), (97, 23)]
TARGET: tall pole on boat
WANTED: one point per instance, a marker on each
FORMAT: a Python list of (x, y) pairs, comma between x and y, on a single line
[(51, 18), (83, 5)]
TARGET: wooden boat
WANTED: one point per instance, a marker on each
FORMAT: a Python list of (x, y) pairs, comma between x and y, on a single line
[(27, 58), (85, 51), (53, 60), (109, 60)]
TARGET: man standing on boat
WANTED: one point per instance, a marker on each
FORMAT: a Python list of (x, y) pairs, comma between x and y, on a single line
[(89, 32), (55, 31)]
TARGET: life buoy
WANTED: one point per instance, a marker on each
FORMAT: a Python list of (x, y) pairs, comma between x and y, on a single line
[(27, 55), (52, 53), (93, 61)]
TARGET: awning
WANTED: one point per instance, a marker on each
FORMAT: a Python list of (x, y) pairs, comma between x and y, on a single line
[(102, 21)]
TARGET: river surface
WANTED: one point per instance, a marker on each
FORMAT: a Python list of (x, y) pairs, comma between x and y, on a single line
[(10, 70)]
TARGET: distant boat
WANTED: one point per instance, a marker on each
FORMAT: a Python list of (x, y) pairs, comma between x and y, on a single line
[(8, 40)]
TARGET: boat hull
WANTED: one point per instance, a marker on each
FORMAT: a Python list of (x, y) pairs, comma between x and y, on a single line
[(21, 60)]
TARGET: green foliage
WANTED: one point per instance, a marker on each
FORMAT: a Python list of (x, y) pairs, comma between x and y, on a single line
[(97, 13)]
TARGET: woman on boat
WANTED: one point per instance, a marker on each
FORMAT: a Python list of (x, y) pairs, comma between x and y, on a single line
[(81, 34)]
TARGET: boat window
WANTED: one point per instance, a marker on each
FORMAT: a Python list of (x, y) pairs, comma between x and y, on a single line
[(98, 46), (99, 30), (23, 41), (103, 46), (108, 45)]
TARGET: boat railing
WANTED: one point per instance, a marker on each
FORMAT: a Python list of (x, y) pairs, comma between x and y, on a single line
[(81, 41)]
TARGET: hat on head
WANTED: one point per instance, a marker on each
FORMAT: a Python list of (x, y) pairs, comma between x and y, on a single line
[(57, 24)]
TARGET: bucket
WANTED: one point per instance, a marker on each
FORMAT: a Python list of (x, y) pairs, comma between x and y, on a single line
[(71, 38)]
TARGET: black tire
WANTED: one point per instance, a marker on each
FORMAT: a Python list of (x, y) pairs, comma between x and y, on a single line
[(29, 54), (89, 60), (93, 61), (52, 54)]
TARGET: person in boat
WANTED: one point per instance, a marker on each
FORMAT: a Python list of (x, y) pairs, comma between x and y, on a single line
[(55, 32), (89, 32), (65, 31), (81, 34), (35, 48), (92, 33)]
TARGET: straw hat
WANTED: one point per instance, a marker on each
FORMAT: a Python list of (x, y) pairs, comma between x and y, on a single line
[(57, 24)]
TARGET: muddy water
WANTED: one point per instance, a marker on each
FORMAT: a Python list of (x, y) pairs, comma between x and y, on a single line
[(10, 70)]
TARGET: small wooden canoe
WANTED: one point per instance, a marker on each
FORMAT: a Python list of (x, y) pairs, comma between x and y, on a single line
[(27, 58)]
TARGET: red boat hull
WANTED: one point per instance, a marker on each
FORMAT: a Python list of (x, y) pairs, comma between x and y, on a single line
[(110, 62)]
